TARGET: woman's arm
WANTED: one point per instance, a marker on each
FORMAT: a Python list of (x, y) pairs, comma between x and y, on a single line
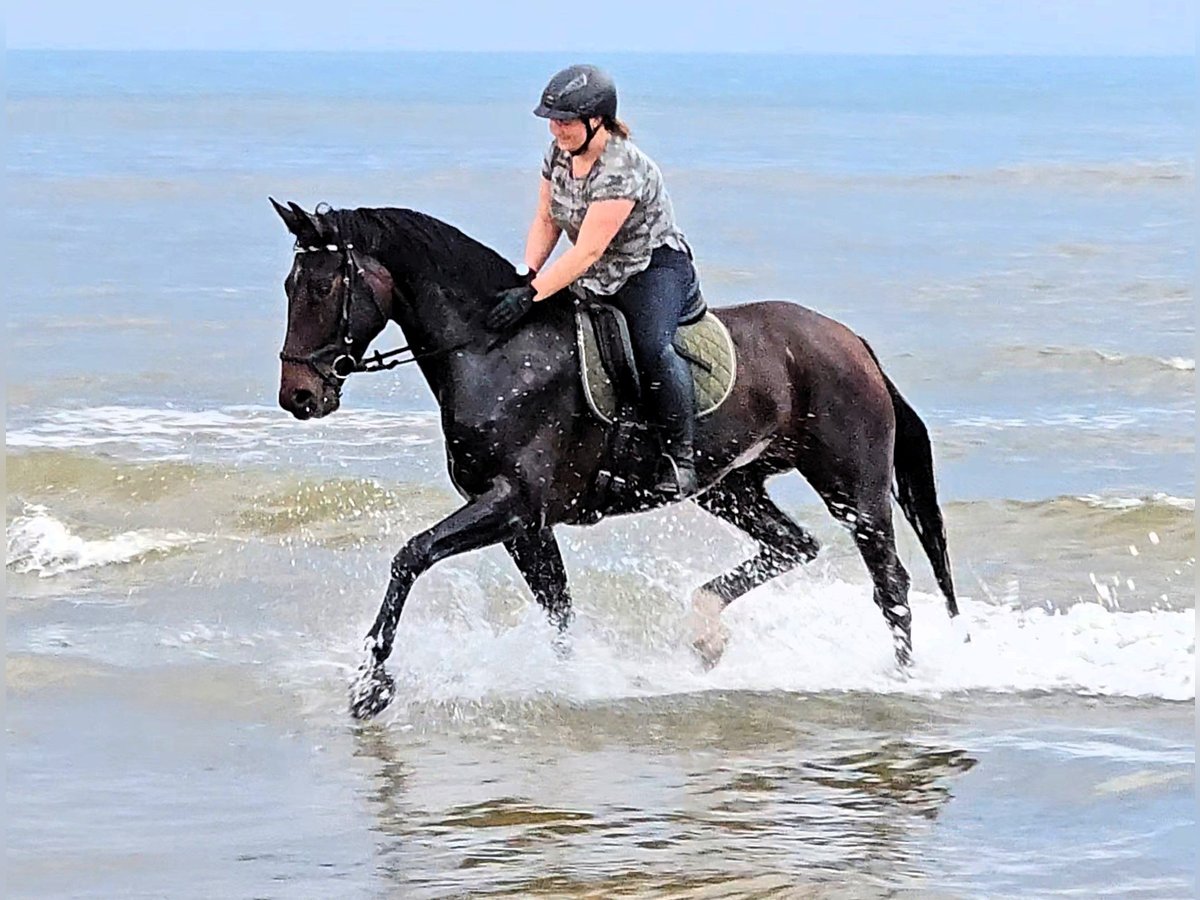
[(543, 233), (601, 223)]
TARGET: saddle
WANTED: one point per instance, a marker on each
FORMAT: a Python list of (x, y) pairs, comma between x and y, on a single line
[(609, 374)]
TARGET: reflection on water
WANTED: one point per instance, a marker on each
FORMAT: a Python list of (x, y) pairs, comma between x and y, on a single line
[(793, 812)]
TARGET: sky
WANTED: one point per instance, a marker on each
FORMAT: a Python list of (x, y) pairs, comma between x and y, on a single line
[(1050, 27)]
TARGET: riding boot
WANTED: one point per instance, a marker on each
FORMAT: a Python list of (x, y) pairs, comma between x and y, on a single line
[(675, 414), (679, 481)]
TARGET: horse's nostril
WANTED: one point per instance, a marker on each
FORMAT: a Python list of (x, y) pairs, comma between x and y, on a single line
[(302, 399)]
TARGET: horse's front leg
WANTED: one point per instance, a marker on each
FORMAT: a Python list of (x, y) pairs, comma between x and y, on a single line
[(538, 558), (489, 518)]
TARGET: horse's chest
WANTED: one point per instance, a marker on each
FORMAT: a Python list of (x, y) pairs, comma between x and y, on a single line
[(471, 435)]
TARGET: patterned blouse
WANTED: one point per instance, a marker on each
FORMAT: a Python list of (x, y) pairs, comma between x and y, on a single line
[(623, 172)]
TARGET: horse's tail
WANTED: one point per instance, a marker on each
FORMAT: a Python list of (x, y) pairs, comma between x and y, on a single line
[(915, 489)]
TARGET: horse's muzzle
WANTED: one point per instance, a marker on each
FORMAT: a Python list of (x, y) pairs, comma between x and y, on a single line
[(305, 403)]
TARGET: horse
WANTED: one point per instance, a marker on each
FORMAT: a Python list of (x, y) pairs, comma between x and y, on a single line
[(523, 450)]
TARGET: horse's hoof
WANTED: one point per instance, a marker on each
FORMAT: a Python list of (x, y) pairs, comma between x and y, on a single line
[(563, 649), (371, 692), (708, 633), (708, 653)]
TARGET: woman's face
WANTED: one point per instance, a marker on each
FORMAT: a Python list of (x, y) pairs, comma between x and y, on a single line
[(571, 134)]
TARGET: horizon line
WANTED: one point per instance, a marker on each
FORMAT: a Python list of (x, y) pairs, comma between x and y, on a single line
[(639, 52)]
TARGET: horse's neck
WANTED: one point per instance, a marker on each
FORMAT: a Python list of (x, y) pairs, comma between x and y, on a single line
[(432, 310), (433, 324), (434, 316)]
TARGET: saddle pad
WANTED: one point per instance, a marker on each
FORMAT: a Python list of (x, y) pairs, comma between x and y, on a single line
[(707, 340)]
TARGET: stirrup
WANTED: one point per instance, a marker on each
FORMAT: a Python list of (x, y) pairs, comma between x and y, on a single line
[(681, 484)]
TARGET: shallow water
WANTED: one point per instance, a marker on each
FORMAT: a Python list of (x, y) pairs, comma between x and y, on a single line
[(190, 571)]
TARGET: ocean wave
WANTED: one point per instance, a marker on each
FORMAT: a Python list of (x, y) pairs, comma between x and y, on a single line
[(1091, 526), (1092, 506), (26, 673), (407, 441), (338, 510), (1086, 359), (1096, 174), (1093, 175), (40, 544), (101, 322), (110, 482), (237, 501), (257, 500), (1155, 500), (1113, 421), (241, 433)]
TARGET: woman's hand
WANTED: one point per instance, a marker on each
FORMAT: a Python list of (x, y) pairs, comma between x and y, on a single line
[(514, 304)]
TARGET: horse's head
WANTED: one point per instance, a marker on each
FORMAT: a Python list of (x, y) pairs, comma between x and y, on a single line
[(339, 299)]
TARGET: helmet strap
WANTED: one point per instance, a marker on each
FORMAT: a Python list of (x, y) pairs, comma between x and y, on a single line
[(591, 133)]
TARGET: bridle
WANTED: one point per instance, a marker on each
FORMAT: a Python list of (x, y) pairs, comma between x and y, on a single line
[(334, 362)]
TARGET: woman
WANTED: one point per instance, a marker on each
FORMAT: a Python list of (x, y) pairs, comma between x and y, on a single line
[(609, 198)]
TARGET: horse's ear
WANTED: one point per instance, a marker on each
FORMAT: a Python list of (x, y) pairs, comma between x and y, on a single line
[(316, 230), (289, 217), (304, 227), (297, 222)]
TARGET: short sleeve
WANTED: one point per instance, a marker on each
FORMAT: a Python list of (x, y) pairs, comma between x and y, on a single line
[(619, 183), (548, 161)]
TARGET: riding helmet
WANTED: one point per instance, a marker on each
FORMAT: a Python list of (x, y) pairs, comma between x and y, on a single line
[(579, 92)]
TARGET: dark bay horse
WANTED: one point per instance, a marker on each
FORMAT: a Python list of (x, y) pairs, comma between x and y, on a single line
[(523, 449)]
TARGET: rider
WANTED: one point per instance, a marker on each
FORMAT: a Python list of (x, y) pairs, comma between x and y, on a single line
[(609, 197)]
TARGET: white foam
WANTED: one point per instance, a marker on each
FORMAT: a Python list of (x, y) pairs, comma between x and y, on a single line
[(1179, 363), (1119, 503), (1076, 422), (832, 638), (806, 638), (1081, 173), (1175, 363), (238, 432), (40, 544)]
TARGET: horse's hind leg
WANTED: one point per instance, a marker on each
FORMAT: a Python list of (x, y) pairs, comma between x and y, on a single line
[(742, 501), (877, 543), (538, 558), (861, 500)]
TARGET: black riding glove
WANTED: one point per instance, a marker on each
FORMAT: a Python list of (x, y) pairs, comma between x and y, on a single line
[(514, 305)]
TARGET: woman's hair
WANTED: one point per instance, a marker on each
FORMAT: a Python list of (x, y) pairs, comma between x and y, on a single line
[(615, 126)]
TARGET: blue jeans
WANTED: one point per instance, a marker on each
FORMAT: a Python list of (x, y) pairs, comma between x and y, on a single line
[(654, 301)]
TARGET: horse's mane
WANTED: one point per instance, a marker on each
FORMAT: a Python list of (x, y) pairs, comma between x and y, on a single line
[(407, 241)]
